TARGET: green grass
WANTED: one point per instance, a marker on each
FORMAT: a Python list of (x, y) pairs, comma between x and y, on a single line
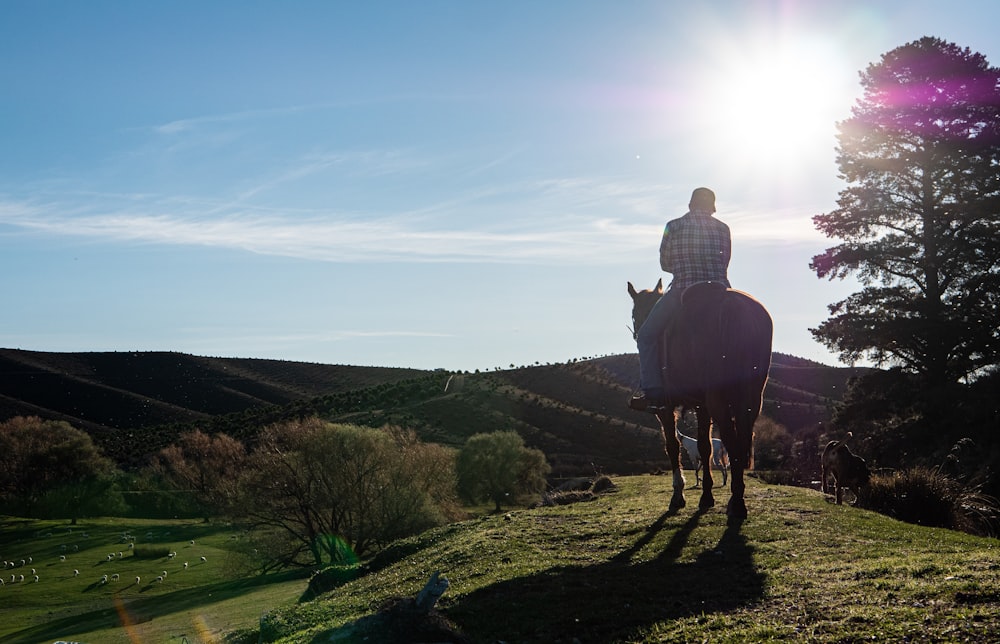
[(200, 601), (620, 569), (617, 569)]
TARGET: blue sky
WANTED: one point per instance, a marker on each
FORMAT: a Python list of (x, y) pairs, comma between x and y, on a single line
[(427, 184)]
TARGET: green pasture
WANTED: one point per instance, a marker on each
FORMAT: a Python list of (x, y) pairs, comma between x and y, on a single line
[(197, 602)]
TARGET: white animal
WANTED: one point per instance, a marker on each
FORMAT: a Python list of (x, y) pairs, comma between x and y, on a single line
[(137, 579), (62, 557), (720, 457), (36, 578), (104, 579), (159, 579), (115, 577), (76, 573), (185, 564), (204, 559)]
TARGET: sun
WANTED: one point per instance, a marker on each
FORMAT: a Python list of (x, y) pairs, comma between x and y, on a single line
[(774, 103)]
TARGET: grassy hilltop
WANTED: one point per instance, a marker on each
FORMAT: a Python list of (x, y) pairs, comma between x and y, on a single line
[(613, 569)]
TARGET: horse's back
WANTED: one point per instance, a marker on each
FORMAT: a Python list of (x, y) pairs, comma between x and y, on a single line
[(723, 338)]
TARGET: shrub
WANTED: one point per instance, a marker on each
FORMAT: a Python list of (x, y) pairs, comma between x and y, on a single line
[(925, 496), (498, 467)]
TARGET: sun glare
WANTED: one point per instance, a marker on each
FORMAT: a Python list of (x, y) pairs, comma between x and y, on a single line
[(774, 104)]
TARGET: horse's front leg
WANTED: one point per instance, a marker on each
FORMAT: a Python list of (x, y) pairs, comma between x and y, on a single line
[(705, 454), (672, 446)]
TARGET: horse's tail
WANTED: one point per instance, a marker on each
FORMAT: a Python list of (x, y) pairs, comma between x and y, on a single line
[(746, 332)]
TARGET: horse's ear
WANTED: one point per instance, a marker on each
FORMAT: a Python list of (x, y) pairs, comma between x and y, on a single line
[(659, 285), (631, 290)]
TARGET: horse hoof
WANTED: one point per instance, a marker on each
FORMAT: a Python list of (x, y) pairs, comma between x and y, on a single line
[(707, 501), (737, 508), (676, 503)]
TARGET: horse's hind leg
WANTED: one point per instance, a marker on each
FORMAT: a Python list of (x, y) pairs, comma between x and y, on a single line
[(739, 460), (705, 454), (672, 446)]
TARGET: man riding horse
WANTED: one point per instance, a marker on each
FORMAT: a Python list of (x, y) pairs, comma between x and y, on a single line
[(695, 248), (716, 351)]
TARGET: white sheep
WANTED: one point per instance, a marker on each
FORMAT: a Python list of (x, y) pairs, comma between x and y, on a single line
[(76, 573), (164, 573), (62, 557), (20, 577), (36, 578), (137, 580), (104, 579), (114, 577), (158, 579), (203, 559), (185, 564)]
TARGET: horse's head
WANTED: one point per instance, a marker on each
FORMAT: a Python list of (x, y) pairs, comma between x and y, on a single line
[(642, 304)]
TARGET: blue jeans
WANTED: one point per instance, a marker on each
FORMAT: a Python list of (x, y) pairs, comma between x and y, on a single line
[(649, 340)]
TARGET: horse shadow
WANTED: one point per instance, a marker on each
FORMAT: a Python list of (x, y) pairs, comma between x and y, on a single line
[(620, 598)]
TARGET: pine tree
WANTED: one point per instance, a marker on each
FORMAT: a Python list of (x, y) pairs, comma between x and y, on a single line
[(920, 218)]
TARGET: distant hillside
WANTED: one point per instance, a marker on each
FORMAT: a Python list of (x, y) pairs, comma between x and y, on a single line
[(136, 403)]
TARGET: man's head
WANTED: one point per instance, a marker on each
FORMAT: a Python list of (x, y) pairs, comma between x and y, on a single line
[(702, 199)]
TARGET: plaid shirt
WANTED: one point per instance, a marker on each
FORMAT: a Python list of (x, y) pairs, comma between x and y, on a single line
[(696, 248)]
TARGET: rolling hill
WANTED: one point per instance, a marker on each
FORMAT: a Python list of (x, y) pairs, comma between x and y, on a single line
[(136, 403)]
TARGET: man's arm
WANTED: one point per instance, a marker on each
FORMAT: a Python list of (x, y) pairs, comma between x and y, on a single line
[(666, 263)]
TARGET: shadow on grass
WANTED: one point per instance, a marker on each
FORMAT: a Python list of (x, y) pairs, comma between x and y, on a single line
[(136, 610), (617, 599)]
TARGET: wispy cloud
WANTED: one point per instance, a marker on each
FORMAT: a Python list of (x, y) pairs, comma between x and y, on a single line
[(561, 221)]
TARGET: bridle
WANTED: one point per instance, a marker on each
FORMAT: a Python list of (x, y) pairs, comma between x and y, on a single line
[(637, 320)]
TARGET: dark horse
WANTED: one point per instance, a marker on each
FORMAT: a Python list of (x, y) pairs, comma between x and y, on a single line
[(717, 355)]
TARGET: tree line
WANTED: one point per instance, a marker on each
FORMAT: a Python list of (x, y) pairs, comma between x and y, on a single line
[(309, 492)]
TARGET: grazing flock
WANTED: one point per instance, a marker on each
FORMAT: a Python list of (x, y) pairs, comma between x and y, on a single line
[(60, 555)]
